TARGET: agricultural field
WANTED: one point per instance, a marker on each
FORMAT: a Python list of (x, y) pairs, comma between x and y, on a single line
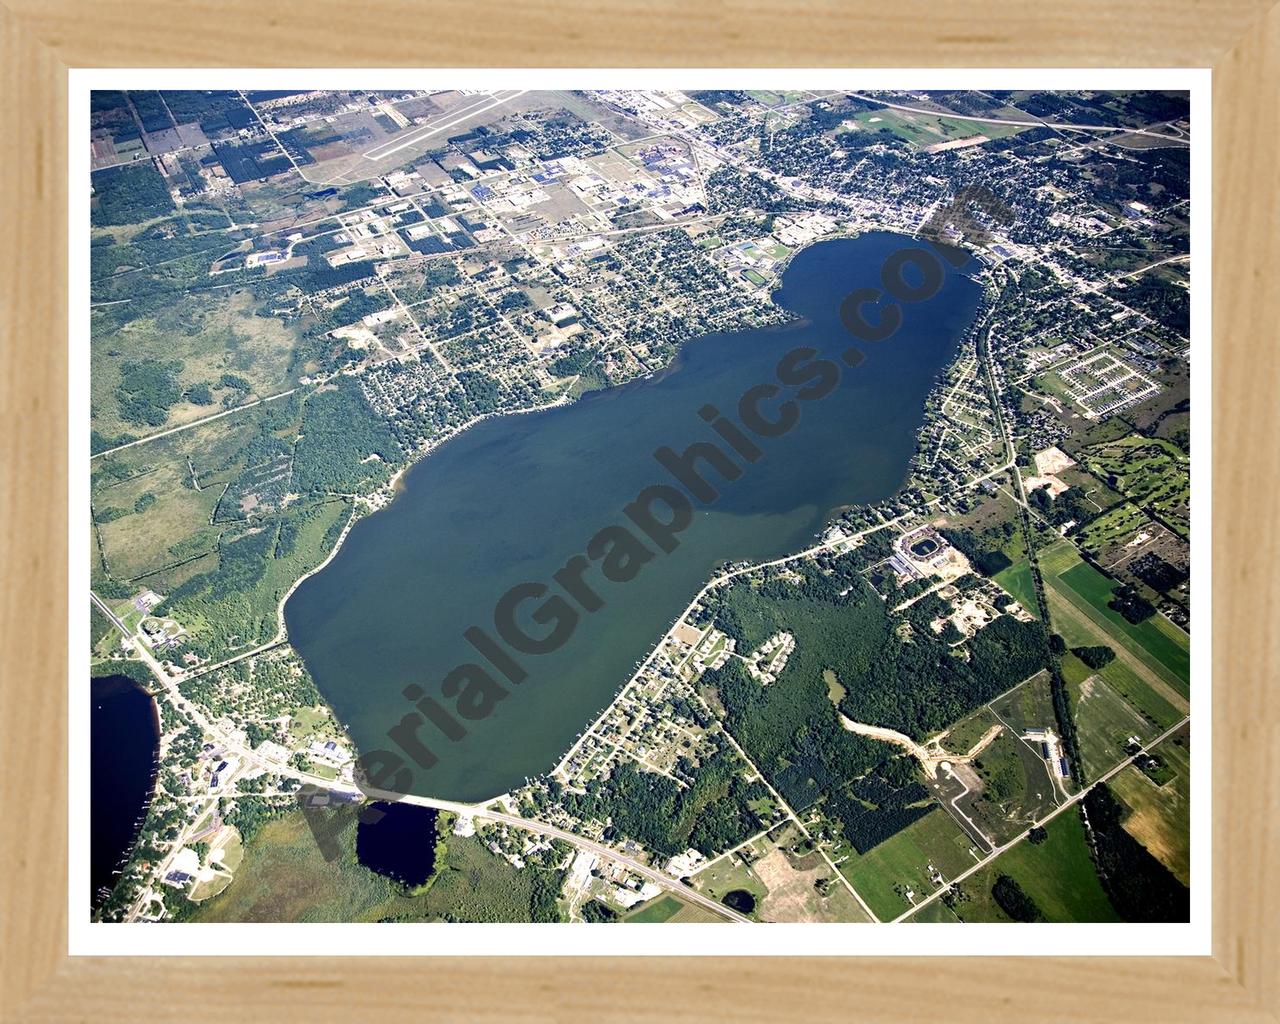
[(1157, 708), (1156, 645), (1159, 804), (884, 874), (1057, 874), (669, 908), (1104, 722), (1017, 582)]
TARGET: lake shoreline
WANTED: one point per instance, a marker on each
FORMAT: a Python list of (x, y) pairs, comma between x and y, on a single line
[(499, 501)]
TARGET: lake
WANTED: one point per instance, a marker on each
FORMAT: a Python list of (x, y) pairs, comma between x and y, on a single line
[(124, 744), (400, 844), (513, 499)]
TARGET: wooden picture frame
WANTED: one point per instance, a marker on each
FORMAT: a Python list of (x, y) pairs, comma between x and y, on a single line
[(1239, 39)]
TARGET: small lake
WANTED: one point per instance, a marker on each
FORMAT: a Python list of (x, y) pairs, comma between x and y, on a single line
[(401, 844), (514, 498), (124, 742)]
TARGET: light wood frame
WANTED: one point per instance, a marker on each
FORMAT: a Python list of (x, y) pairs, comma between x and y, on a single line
[(41, 39)]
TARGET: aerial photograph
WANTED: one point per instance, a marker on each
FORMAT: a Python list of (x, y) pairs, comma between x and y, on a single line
[(638, 506)]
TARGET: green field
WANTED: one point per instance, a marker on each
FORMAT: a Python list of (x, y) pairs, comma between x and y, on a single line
[(1150, 704), (903, 861), (1016, 579), (656, 911), (923, 129), (1058, 874), (1157, 643), (1030, 706)]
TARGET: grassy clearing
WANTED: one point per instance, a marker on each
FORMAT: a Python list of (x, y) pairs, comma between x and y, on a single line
[(1017, 789), (185, 474), (901, 863), (210, 335), (1030, 706), (728, 874), (961, 737), (923, 129)]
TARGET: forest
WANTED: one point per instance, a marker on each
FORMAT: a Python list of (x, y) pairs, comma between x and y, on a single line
[(129, 194), (339, 434)]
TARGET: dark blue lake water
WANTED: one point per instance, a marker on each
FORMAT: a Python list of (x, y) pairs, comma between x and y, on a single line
[(124, 741)]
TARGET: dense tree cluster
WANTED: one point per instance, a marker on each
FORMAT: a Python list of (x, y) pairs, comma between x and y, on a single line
[(911, 681), (1071, 506), (147, 390), (595, 912), (1132, 605), (1014, 901), (879, 805), (1095, 657), (129, 194), (339, 434)]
